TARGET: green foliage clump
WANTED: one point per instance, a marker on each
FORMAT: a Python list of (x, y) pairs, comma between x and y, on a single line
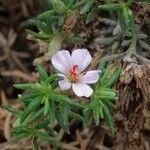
[(43, 105), (125, 15), (102, 100)]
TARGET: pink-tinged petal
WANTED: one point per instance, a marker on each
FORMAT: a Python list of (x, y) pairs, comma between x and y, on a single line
[(90, 77), (82, 58), (81, 89), (62, 61), (64, 84)]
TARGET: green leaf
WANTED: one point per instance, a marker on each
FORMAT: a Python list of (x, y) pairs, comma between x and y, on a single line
[(109, 98), (108, 117), (34, 87), (109, 7), (28, 96), (87, 116), (59, 6), (28, 23), (34, 117), (24, 86), (21, 129), (46, 106), (51, 114), (75, 39), (132, 24), (96, 115), (42, 72), (87, 6), (19, 137), (51, 78), (125, 11), (109, 79), (106, 92), (49, 21), (65, 114), (114, 78), (102, 67), (122, 21), (42, 27), (91, 15), (108, 102), (30, 108), (55, 84), (105, 75), (40, 35), (60, 119), (101, 112), (46, 14), (70, 4), (44, 136)]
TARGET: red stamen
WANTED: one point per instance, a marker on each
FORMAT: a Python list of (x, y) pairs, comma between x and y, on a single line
[(73, 72), (75, 76), (75, 67)]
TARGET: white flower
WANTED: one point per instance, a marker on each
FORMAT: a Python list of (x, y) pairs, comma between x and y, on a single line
[(71, 68)]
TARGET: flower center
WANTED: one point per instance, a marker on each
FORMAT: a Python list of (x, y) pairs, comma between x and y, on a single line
[(73, 73)]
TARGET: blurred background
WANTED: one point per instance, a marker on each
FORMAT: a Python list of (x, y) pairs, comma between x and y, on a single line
[(16, 56)]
